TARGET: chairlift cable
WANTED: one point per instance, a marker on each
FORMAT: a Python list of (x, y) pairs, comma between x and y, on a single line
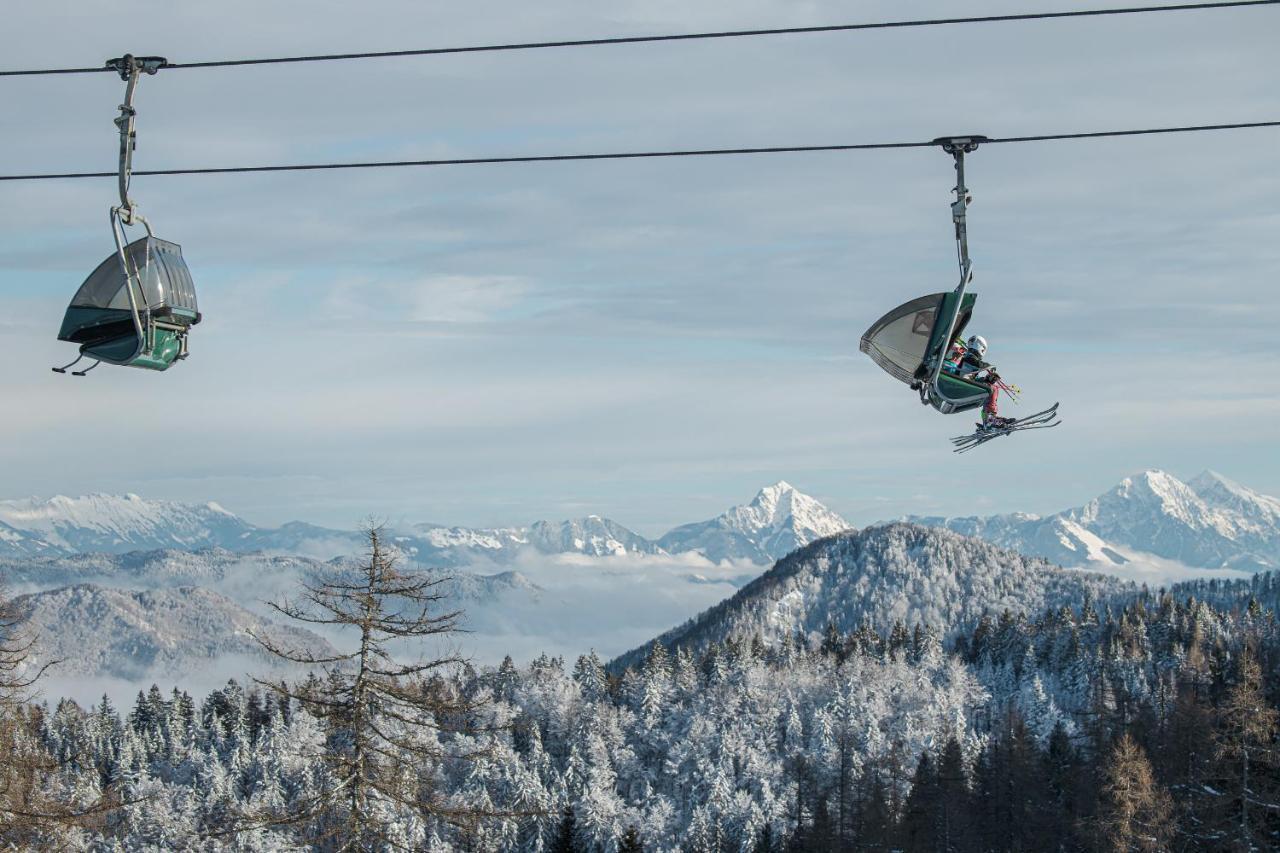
[(631, 155), (726, 34)]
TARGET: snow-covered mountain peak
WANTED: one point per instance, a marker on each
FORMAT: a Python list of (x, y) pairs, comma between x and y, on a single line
[(1222, 493), (1154, 484), (1150, 524), (775, 492), (777, 505), (1151, 492), (778, 520)]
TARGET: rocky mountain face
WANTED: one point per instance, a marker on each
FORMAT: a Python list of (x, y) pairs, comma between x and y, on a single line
[(884, 575), (1146, 522)]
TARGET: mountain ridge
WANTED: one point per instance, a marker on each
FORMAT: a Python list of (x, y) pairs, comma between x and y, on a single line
[(1149, 523), (778, 519)]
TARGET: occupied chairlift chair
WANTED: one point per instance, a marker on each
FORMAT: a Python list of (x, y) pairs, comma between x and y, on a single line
[(910, 342), (136, 308)]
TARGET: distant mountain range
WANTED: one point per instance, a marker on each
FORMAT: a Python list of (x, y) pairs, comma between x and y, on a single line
[(1149, 524), (166, 586), (883, 575), (778, 520), (137, 590)]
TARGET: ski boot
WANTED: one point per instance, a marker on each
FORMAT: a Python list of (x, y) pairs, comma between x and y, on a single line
[(996, 422)]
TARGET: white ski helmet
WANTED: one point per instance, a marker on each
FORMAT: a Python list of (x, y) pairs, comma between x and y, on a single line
[(978, 344)]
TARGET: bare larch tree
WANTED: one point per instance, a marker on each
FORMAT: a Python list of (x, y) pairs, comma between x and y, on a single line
[(383, 720)]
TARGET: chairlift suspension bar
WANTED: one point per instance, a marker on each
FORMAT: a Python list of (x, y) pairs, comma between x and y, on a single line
[(129, 67), (131, 276), (959, 210), (957, 147)]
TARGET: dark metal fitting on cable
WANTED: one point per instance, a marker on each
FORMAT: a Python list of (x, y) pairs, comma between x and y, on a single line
[(960, 144), (125, 65)]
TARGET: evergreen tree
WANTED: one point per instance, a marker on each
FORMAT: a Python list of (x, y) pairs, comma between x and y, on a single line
[(953, 831), (631, 841), (920, 825), (764, 843), (566, 835)]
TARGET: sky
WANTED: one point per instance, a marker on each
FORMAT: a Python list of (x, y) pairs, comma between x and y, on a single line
[(651, 340)]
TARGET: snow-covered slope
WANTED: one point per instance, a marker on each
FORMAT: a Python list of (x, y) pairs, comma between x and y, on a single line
[(116, 524), (553, 603), (15, 542), (883, 575), (256, 575), (139, 635), (1151, 524), (777, 521), (451, 546), (593, 535)]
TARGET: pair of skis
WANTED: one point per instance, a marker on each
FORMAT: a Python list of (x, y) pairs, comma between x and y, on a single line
[(1040, 420)]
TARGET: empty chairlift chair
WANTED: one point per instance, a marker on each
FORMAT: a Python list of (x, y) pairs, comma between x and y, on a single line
[(136, 308)]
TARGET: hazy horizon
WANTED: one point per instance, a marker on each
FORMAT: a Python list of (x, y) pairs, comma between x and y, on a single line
[(281, 516)]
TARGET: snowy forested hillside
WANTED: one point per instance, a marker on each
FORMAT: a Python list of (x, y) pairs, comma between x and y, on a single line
[(164, 635), (1150, 527), (1006, 740), (882, 576)]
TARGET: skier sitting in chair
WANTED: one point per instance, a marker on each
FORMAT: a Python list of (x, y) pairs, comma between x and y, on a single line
[(964, 358)]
